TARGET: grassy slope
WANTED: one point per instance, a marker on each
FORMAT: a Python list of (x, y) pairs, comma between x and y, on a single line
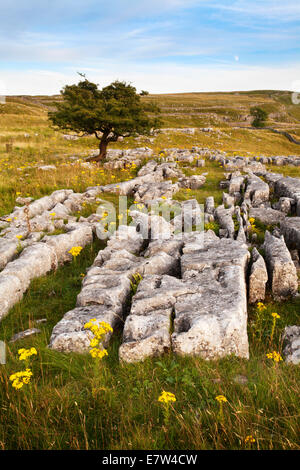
[(70, 405)]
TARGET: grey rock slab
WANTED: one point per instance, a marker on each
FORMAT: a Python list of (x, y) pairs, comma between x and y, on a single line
[(290, 229), (236, 183), (267, 215), (258, 278), (257, 191), (81, 235), (291, 342), (224, 218), (8, 250), (114, 295), (281, 269), (146, 336), (69, 334), (192, 182), (171, 246), (127, 238), (160, 263), (25, 334), (212, 322), (35, 261), (288, 187), (147, 328), (153, 227), (209, 205), (11, 292)]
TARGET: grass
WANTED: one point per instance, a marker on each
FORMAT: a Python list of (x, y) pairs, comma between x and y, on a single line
[(70, 404)]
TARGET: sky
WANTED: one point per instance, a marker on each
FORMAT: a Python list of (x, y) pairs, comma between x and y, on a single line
[(162, 46)]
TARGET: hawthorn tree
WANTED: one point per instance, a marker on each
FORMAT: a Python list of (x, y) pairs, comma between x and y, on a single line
[(113, 112), (260, 116)]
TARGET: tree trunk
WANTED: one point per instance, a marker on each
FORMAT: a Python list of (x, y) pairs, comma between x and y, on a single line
[(102, 151)]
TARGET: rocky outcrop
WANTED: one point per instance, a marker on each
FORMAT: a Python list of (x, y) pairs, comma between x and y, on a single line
[(106, 289), (266, 215), (211, 321), (37, 260), (258, 278), (209, 303), (290, 229), (289, 187), (291, 342), (224, 218), (281, 269), (147, 328), (257, 191)]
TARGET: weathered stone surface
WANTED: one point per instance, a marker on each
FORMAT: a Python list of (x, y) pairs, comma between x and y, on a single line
[(236, 184), (171, 246), (69, 335), (192, 182), (34, 261), (127, 238), (281, 269), (11, 291), (147, 328), (228, 200), (151, 192), (224, 218), (258, 278), (285, 205), (151, 227), (190, 218), (291, 341), (257, 191), (209, 304), (25, 334), (8, 250), (80, 235), (267, 215), (47, 167), (146, 336), (289, 187), (290, 229), (212, 321), (209, 205), (107, 286)]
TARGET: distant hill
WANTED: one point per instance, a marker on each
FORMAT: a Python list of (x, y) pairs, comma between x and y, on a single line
[(191, 109)]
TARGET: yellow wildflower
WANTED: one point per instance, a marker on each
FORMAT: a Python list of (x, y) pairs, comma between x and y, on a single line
[(20, 378), (25, 353), (261, 306), (166, 397), (75, 251), (221, 399), (275, 315), (98, 353), (275, 356)]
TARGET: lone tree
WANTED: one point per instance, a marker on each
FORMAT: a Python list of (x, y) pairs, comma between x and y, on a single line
[(260, 117), (113, 112)]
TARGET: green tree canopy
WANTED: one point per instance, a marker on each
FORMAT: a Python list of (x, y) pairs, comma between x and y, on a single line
[(113, 112), (260, 116)]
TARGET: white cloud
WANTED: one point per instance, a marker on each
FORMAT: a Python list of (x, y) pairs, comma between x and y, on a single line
[(266, 9), (167, 78)]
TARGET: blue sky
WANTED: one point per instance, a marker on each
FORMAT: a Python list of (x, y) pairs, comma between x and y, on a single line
[(157, 45)]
